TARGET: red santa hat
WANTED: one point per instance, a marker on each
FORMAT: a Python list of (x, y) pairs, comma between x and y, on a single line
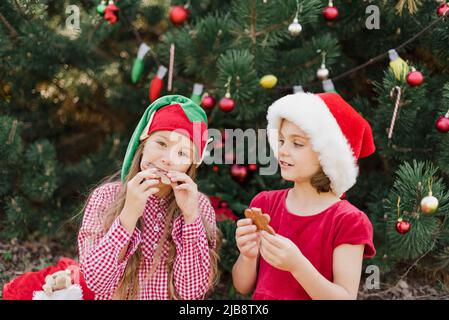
[(336, 131)]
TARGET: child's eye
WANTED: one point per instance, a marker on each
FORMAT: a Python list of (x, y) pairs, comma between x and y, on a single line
[(298, 145), (162, 143), (281, 141)]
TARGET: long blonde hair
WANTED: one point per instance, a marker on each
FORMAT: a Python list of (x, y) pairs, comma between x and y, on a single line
[(128, 287)]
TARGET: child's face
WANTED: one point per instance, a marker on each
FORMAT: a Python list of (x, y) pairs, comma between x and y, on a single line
[(298, 161), (168, 151)]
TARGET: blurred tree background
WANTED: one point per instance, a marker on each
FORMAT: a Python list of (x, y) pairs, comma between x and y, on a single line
[(68, 105)]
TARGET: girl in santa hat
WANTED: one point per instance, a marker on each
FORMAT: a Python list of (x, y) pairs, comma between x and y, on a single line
[(151, 234), (320, 240)]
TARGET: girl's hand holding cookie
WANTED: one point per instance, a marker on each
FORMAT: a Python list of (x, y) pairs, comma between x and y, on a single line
[(186, 194), (247, 238), (138, 189)]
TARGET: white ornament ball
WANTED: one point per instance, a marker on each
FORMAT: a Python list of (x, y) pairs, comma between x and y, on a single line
[(322, 73), (295, 28), (429, 204)]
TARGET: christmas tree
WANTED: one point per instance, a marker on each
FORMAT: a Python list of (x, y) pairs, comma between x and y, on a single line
[(75, 78)]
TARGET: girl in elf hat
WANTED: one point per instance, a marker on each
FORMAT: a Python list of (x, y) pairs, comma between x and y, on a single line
[(151, 234), (320, 240)]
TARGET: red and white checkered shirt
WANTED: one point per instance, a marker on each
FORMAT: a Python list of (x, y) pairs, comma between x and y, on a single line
[(99, 250)]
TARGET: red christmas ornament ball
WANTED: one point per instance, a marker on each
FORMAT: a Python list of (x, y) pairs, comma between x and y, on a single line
[(239, 172), (415, 78), (178, 15), (442, 124), (330, 13), (252, 167), (443, 9), (226, 104), (403, 226), (208, 102), (215, 168)]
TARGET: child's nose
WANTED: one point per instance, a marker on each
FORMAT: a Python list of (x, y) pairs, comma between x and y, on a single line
[(166, 161), (283, 150)]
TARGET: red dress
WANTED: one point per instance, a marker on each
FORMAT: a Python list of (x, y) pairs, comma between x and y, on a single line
[(316, 236)]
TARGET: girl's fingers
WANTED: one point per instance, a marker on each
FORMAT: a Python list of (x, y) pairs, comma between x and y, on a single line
[(269, 246), (274, 240), (248, 246), (148, 173), (179, 177), (151, 191), (245, 230), (264, 254), (148, 184), (183, 186), (267, 254), (244, 222), (243, 240)]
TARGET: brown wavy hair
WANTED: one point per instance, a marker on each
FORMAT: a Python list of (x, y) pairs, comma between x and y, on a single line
[(128, 286)]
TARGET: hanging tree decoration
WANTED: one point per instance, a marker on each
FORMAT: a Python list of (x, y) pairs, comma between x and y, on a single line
[(157, 83), (138, 64), (442, 124), (252, 167), (111, 12), (415, 78), (226, 103), (196, 93), (207, 102), (268, 81), (429, 204), (443, 9), (402, 226), (323, 72), (295, 27), (239, 172), (101, 7), (330, 12), (171, 67), (179, 14), (396, 108), (399, 66)]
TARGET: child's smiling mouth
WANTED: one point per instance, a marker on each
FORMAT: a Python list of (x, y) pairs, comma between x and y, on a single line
[(284, 164)]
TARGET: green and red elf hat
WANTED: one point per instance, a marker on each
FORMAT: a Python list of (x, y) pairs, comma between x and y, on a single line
[(171, 113)]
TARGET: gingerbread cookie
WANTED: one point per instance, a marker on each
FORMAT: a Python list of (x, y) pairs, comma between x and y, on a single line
[(261, 221)]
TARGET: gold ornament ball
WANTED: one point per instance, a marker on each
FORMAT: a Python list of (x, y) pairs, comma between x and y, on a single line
[(429, 204), (268, 81)]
